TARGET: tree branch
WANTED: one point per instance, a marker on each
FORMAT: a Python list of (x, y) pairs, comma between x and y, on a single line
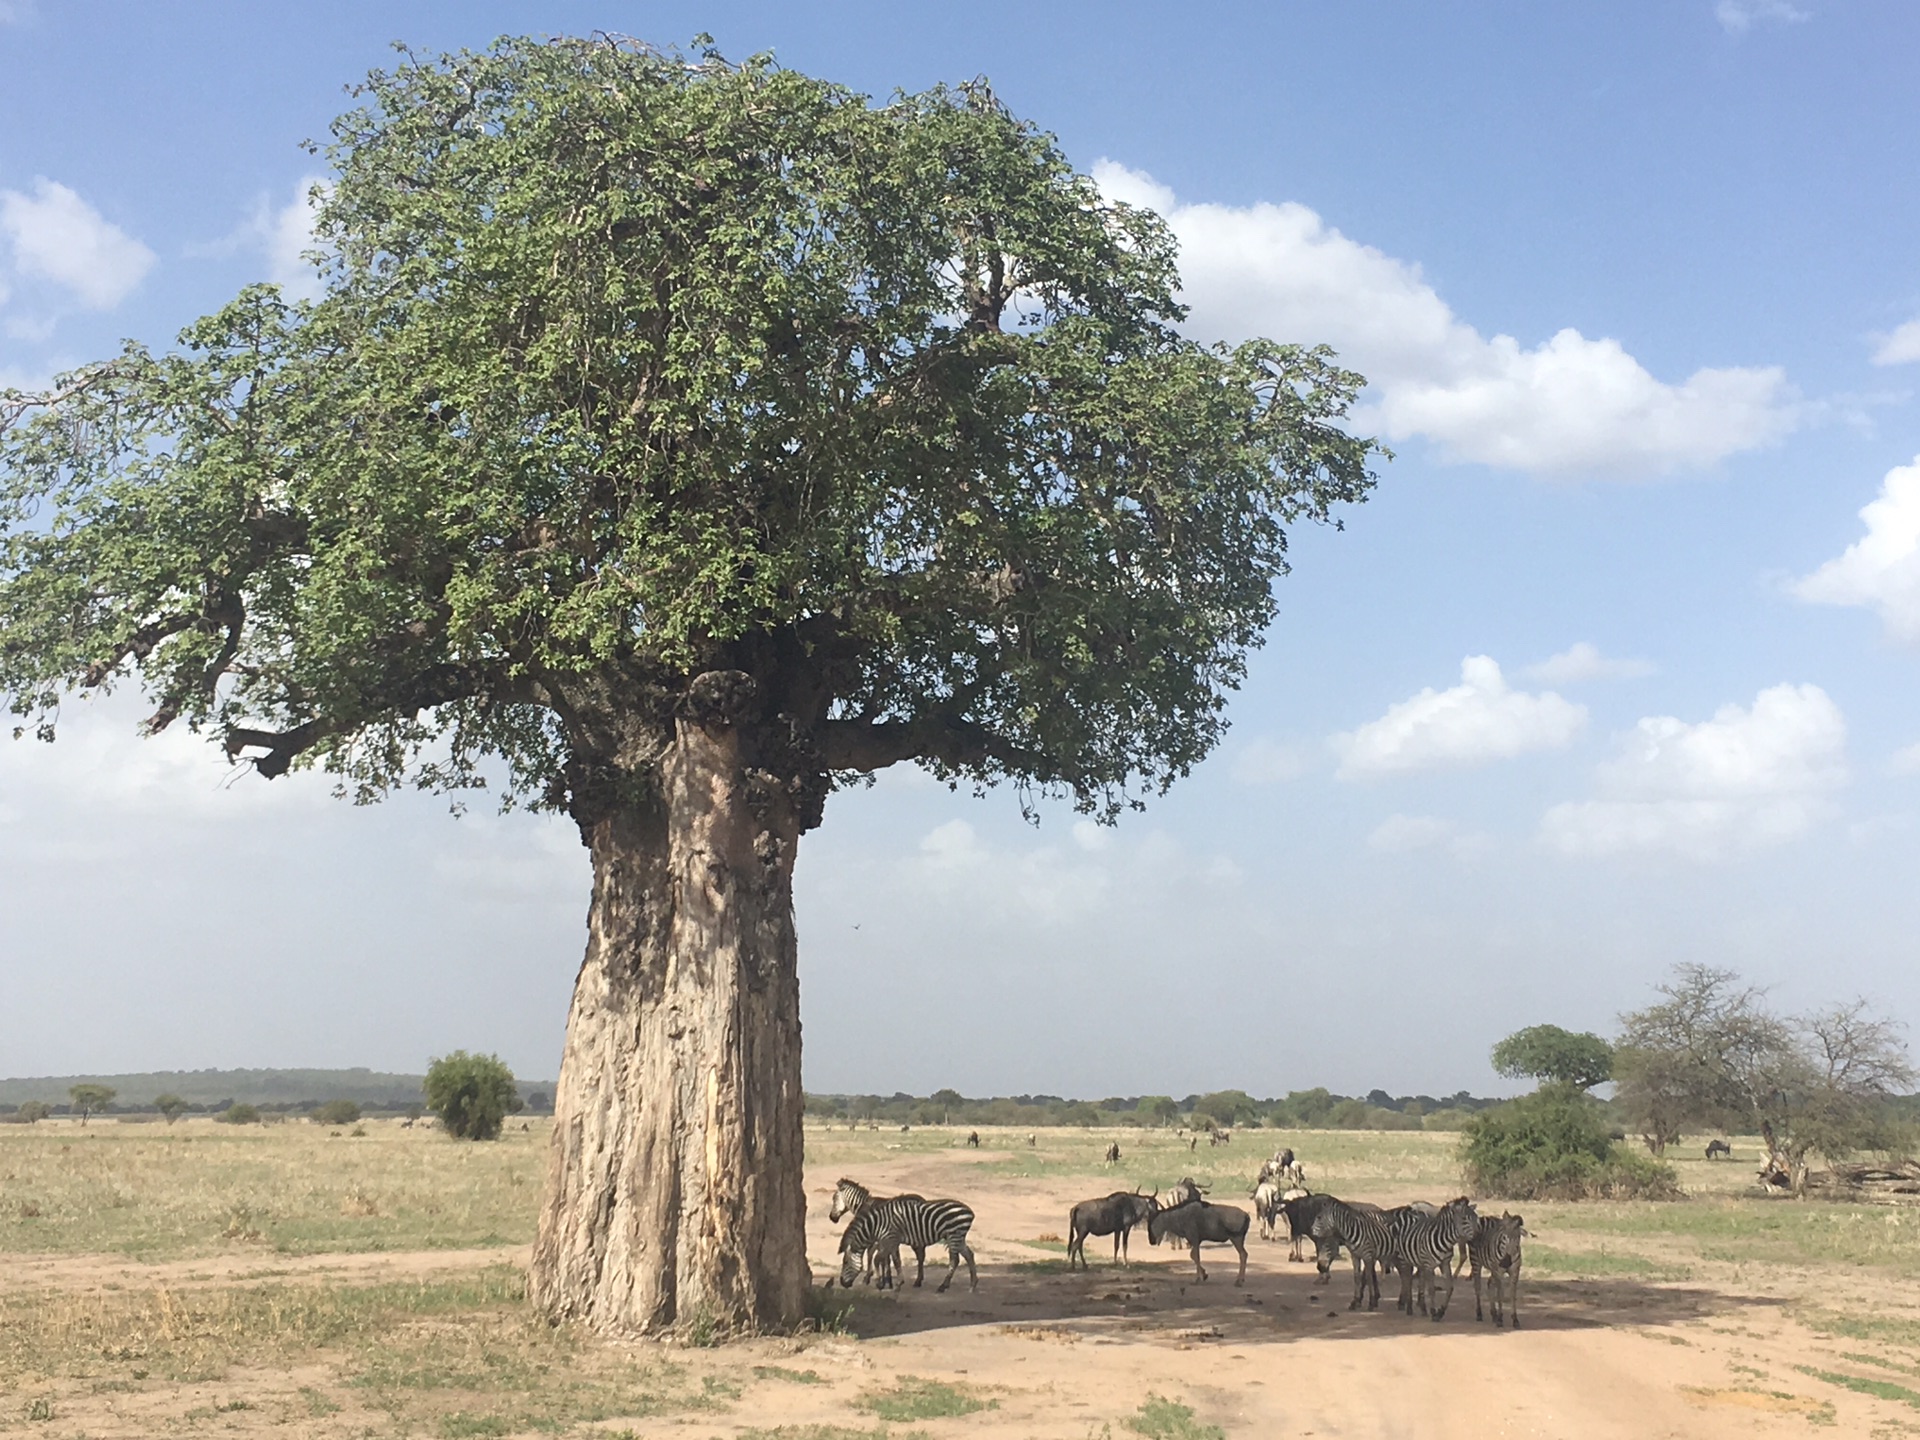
[(855, 745)]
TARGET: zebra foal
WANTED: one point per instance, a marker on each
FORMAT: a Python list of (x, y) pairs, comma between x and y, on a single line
[(882, 1227)]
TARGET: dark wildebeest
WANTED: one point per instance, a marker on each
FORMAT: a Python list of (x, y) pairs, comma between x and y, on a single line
[(1113, 1153), (1298, 1213), (1719, 1148), (1198, 1223), (1116, 1216), (973, 1138)]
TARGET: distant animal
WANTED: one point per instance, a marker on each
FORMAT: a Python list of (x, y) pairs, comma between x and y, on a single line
[(973, 1138), (1362, 1231), (1032, 1139), (1719, 1150), (1180, 1194), (1278, 1168), (905, 1128), (1199, 1223), (1193, 1143), (1113, 1153), (1116, 1215), (881, 1229), (1495, 1248)]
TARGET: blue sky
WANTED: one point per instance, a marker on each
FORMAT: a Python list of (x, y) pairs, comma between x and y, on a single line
[(1612, 673)]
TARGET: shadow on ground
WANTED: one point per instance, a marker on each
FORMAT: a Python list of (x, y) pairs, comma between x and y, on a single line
[(1163, 1303)]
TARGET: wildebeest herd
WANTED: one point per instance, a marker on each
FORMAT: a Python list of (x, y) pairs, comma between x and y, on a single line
[(1425, 1245)]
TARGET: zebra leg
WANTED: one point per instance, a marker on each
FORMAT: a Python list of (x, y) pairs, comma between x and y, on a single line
[(920, 1258), (1359, 1279), (1477, 1313), (1516, 1297), (1441, 1303)]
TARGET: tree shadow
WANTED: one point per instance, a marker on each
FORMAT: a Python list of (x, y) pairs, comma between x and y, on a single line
[(1161, 1302)]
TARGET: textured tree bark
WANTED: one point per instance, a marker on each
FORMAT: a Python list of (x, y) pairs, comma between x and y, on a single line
[(674, 1191)]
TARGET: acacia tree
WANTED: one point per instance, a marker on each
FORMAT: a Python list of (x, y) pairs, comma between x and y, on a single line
[(89, 1097), (672, 442), (1555, 1056)]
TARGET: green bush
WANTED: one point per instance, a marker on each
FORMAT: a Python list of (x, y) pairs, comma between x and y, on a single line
[(472, 1094), (1554, 1145), (336, 1112), (239, 1115)]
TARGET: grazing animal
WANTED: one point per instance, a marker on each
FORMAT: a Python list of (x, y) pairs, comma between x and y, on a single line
[(1113, 1153), (1266, 1205), (1116, 1216), (973, 1139), (850, 1197), (1495, 1248), (881, 1228), (905, 1128), (1422, 1239), (1197, 1223), (1297, 1208), (1719, 1149), (1193, 1143), (1280, 1167), (1180, 1194), (1032, 1139), (1362, 1231)]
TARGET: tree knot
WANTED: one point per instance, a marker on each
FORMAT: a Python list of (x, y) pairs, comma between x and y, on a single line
[(721, 699)]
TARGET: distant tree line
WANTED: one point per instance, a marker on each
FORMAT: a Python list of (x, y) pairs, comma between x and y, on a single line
[(1315, 1109)]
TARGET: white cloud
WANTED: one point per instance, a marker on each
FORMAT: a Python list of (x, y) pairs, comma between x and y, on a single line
[(57, 236), (1269, 762), (1583, 661), (1901, 347), (1736, 17), (1905, 761), (1881, 570), (1747, 778), (282, 235), (1568, 405), (1403, 834), (1478, 720)]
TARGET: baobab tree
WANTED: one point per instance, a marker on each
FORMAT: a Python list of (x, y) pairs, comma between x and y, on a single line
[(672, 441)]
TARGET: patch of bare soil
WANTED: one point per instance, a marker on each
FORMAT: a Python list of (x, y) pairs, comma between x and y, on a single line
[(242, 1264)]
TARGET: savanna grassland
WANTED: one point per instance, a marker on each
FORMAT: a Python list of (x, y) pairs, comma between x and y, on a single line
[(287, 1279)]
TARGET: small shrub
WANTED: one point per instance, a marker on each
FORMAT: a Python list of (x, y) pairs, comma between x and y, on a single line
[(1554, 1145), (335, 1112), (912, 1398), (34, 1111), (1164, 1419), (239, 1115), (472, 1094)]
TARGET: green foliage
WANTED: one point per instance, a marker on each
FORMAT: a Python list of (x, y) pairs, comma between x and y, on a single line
[(1202, 1121), (1554, 1144), (336, 1112), (912, 1398), (88, 1098), (34, 1111), (1163, 1419), (1548, 1053), (241, 1114), (170, 1106), (631, 370), (472, 1094), (1158, 1109), (1229, 1107)]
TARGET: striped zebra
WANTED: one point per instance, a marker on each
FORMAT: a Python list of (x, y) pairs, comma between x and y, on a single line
[(1422, 1240), (1362, 1232), (882, 1227), (1495, 1248), (850, 1197)]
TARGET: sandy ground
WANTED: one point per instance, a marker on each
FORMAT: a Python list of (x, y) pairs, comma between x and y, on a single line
[(1075, 1356)]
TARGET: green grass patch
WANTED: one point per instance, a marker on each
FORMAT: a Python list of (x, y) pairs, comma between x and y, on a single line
[(1879, 1389), (792, 1377), (1884, 1330), (1597, 1264), (912, 1398), (814, 1432), (1164, 1419)]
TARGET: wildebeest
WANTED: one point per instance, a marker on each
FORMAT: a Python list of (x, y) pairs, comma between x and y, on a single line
[(1113, 1153), (1116, 1215), (1719, 1149), (1198, 1223), (1298, 1211), (973, 1138)]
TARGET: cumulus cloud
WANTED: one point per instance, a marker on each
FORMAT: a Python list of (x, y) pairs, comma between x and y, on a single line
[(1749, 777), (282, 235), (1478, 720), (1736, 17), (1905, 761), (1881, 570), (57, 236), (1583, 661), (1568, 405), (1901, 346)]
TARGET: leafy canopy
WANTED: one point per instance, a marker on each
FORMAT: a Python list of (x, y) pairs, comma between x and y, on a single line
[(1548, 1053), (632, 370), (472, 1094)]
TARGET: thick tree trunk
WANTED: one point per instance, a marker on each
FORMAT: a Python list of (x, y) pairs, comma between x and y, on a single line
[(674, 1190)]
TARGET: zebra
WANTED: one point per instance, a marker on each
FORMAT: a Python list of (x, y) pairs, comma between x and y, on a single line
[(1362, 1231), (850, 1197), (881, 1228), (1422, 1239), (1495, 1248)]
